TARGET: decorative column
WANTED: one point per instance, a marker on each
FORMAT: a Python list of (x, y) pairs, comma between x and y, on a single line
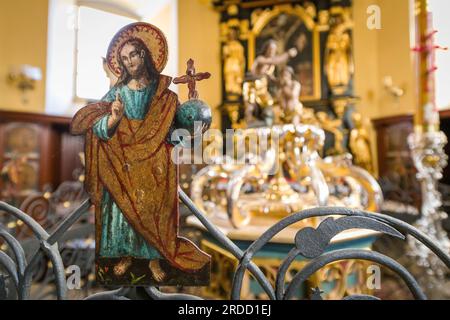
[(427, 146)]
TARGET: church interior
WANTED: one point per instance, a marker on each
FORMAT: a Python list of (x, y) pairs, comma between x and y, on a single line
[(325, 119)]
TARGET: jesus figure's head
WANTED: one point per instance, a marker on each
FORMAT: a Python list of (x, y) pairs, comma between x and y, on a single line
[(270, 48), (135, 62)]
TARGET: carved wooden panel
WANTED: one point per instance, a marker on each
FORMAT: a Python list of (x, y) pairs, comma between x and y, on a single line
[(38, 150)]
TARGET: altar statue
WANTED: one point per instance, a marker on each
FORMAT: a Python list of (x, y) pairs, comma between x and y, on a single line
[(360, 144), (257, 93), (258, 102), (338, 57), (289, 97), (334, 126), (130, 177), (233, 64), (264, 65)]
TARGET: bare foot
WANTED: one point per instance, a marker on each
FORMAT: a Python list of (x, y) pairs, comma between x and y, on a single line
[(156, 270), (122, 266)]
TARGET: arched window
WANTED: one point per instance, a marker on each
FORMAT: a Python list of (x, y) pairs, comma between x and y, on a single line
[(95, 29), (79, 32)]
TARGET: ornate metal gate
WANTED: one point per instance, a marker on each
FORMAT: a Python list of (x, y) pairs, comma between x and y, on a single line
[(310, 243)]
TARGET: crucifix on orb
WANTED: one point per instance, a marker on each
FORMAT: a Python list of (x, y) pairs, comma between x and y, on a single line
[(194, 115), (190, 78)]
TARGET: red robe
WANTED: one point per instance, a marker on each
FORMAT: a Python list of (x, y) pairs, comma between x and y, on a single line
[(136, 168)]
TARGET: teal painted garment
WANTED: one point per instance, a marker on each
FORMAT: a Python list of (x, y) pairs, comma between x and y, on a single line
[(118, 238)]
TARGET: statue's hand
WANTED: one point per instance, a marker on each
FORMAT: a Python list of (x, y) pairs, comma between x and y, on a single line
[(117, 109), (116, 112), (292, 52)]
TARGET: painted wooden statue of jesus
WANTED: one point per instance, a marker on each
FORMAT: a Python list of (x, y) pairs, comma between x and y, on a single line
[(130, 176)]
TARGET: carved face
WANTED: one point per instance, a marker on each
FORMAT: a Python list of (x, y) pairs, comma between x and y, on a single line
[(271, 50), (132, 59)]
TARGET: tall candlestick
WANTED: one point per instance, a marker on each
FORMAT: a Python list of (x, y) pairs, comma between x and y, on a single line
[(427, 116), (422, 27), (427, 146)]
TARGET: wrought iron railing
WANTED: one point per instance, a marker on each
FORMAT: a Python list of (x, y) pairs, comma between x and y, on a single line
[(18, 270)]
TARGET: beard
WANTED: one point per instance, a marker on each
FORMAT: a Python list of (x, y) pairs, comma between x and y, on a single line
[(137, 71)]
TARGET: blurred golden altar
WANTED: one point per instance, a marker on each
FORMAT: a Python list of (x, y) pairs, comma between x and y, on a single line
[(287, 80), (328, 153)]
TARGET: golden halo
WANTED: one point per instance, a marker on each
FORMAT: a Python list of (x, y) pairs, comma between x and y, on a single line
[(150, 35)]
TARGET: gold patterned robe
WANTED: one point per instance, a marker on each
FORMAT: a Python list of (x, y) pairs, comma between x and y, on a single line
[(136, 168)]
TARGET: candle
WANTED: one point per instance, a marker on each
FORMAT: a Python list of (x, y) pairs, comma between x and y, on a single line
[(427, 116)]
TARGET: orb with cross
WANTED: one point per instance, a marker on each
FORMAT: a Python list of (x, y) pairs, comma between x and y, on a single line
[(194, 114)]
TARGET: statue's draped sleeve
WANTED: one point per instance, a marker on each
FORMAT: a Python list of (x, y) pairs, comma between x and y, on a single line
[(83, 123), (101, 126), (86, 117)]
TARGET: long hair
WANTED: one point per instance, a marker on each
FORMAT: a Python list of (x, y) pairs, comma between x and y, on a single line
[(266, 46), (149, 65)]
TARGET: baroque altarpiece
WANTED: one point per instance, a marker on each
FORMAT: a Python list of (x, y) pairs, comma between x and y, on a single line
[(287, 70), (321, 32)]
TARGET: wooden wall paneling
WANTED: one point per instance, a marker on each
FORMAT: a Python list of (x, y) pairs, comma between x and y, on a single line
[(50, 157), (58, 150), (384, 127), (71, 146), (395, 163), (2, 150)]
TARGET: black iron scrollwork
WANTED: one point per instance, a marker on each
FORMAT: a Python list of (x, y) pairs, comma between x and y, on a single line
[(309, 243)]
